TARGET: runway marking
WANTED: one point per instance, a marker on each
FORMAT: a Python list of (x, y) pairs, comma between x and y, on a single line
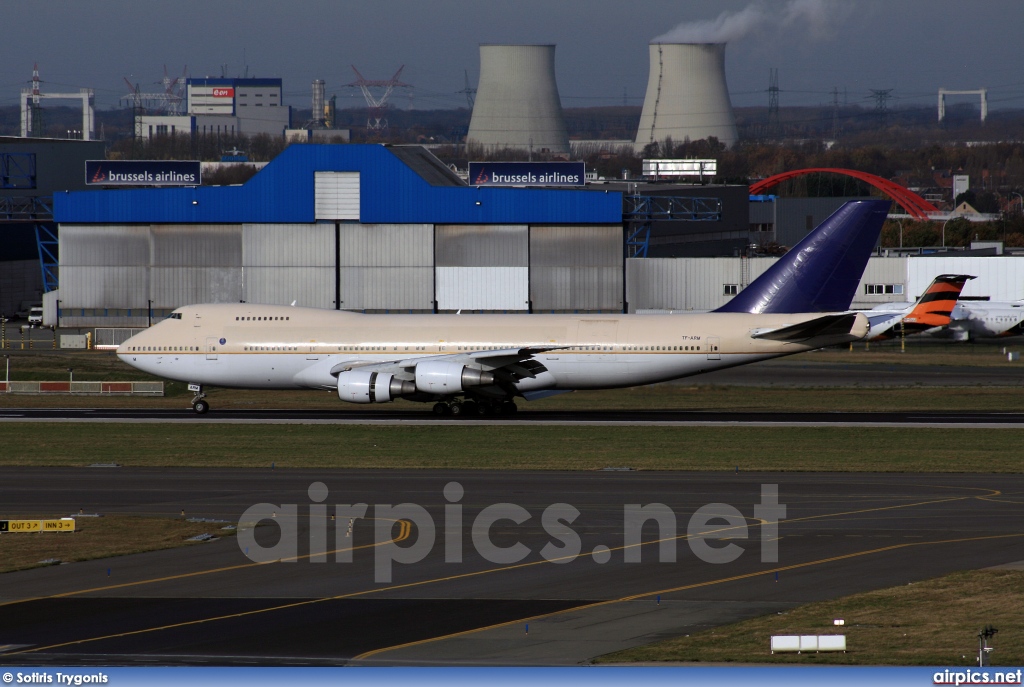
[(993, 500), (477, 573), (405, 529), (695, 585)]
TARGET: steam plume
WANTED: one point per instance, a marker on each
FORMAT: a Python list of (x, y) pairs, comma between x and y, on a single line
[(730, 26)]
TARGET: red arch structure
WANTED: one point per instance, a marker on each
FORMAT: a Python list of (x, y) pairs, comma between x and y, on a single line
[(916, 206)]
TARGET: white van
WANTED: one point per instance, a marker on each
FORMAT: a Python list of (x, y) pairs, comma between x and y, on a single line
[(35, 316)]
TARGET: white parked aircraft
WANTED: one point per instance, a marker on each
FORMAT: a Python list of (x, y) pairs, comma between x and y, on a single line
[(481, 363), (985, 320), (968, 321)]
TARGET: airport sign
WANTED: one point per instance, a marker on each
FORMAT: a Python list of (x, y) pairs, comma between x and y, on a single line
[(59, 525), (142, 173), (527, 173)]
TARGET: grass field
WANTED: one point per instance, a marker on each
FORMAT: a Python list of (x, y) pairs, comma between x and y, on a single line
[(934, 622), (113, 535), (516, 447)]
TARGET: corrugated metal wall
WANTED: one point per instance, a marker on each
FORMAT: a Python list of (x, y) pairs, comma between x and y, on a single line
[(195, 263), (999, 278), (699, 283), (480, 245), (289, 262), (386, 266), (171, 287), (883, 271), (482, 267), (105, 267), (483, 288), (576, 268), (680, 283), (110, 245)]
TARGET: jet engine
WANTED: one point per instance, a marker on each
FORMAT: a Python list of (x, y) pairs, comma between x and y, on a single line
[(364, 386), (442, 378)]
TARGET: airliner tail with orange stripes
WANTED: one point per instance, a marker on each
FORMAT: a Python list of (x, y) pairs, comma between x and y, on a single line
[(931, 311)]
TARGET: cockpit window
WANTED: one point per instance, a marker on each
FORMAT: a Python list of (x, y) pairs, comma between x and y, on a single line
[(174, 316)]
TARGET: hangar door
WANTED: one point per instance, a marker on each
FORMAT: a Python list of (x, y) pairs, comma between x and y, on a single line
[(482, 267), (576, 268)]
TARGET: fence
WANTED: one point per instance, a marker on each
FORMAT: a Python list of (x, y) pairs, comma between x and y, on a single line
[(85, 388), (109, 338)]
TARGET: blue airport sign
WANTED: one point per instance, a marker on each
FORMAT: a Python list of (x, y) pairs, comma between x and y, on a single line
[(527, 173), (142, 173)]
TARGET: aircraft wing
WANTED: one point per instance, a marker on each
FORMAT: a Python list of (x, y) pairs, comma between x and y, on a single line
[(515, 363)]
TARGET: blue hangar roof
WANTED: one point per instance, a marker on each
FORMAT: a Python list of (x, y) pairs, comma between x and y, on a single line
[(400, 185)]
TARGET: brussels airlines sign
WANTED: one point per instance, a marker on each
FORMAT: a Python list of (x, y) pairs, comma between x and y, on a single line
[(142, 173), (527, 174)]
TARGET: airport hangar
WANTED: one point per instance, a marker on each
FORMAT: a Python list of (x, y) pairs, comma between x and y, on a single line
[(379, 228)]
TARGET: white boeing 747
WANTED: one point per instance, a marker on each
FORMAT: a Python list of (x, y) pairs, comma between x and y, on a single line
[(480, 363)]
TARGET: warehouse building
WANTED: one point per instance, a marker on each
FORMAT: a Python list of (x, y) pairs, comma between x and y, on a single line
[(227, 107), (377, 228), (358, 227), (31, 170)]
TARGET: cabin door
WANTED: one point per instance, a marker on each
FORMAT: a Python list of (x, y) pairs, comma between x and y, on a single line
[(712, 346)]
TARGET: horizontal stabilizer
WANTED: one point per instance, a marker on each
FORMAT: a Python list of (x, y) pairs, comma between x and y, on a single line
[(829, 325)]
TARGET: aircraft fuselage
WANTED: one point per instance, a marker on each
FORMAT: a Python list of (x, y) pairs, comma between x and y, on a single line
[(280, 347)]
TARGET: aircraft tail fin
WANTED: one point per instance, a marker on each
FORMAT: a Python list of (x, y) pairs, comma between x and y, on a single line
[(822, 272), (933, 309)]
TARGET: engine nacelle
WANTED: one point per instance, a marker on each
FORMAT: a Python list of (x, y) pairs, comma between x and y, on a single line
[(364, 386), (442, 378)]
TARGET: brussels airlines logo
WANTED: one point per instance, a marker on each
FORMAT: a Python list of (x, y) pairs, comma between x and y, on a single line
[(527, 173), (143, 173)]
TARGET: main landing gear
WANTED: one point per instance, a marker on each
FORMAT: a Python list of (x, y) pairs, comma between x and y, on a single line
[(471, 408), (198, 404)]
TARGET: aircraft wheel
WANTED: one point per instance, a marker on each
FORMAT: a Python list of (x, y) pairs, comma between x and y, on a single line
[(201, 407), (509, 408), (440, 409), (470, 408), (458, 409)]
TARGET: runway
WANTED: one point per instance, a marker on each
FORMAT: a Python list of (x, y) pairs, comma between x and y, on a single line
[(209, 603), (526, 418)]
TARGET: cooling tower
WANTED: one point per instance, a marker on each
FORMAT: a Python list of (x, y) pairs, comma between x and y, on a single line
[(517, 104), (686, 95)]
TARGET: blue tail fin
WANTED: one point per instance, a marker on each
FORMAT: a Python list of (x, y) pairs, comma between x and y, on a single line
[(821, 273)]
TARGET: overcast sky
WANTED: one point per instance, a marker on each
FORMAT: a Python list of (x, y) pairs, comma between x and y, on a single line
[(911, 46)]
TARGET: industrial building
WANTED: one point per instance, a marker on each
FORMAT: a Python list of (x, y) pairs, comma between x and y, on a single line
[(381, 228), (225, 106), (31, 170), (360, 227)]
